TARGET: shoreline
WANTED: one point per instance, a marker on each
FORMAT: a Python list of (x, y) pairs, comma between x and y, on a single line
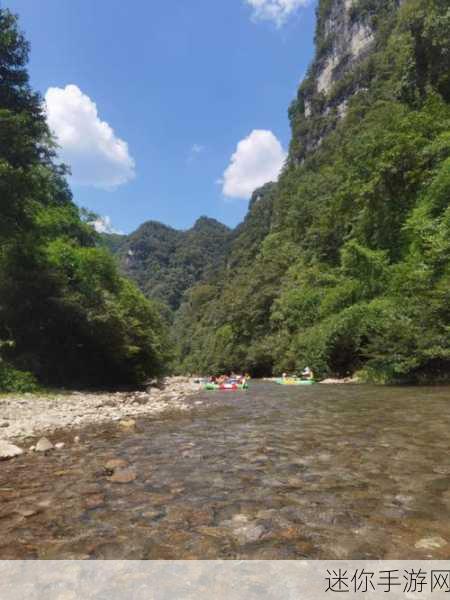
[(32, 415)]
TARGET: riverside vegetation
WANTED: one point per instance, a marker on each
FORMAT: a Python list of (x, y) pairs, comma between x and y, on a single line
[(343, 264), (67, 317)]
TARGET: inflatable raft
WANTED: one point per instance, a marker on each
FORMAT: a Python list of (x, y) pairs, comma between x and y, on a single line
[(290, 381), (231, 387)]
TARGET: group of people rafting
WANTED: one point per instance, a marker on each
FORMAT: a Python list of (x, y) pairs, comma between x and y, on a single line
[(235, 382), (228, 382), (306, 378)]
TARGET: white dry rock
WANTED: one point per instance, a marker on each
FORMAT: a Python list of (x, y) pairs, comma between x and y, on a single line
[(44, 445), (8, 450)]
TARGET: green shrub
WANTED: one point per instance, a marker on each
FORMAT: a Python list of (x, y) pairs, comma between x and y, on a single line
[(13, 380)]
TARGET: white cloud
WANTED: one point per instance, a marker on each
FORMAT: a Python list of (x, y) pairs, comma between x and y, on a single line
[(96, 156), (103, 225), (258, 159), (277, 11)]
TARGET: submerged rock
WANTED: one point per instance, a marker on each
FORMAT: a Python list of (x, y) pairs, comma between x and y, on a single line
[(94, 501), (44, 445), (430, 543), (123, 476), (8, 450), (116, 463), (26, 512), (248, 533)]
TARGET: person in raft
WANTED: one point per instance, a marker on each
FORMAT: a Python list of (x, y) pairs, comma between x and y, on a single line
[(307, 374)]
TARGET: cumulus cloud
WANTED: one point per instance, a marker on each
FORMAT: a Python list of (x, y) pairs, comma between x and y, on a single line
[(258, 159), (277, 11), (103, 225), (96, 156)]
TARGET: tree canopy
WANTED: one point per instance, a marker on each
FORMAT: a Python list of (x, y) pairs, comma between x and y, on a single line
[(67, 316), (353, 272)]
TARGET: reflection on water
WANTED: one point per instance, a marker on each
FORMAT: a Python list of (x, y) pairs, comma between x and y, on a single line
[(277, 472)]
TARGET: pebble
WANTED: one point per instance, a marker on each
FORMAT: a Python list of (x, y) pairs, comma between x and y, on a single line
[(123, 476), (76, 439), (4, 424), (8, 450), (44, 445), (59, 445)]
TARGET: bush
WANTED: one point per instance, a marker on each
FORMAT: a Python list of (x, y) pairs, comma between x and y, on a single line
[(12, 380)]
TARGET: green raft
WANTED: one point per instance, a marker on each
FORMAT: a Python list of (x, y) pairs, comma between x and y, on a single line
[(290, 381), (231, 387)]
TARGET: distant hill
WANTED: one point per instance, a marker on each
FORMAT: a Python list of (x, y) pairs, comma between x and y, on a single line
[(165, 262)]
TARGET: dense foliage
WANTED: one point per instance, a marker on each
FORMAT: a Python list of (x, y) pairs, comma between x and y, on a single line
[(66, 315), (165, 262), (354, 274)]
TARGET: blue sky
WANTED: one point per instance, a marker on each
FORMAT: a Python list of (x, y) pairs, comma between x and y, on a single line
[(151, 98)]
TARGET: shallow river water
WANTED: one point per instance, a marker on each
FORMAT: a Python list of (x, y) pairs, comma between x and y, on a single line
[(276, 472)]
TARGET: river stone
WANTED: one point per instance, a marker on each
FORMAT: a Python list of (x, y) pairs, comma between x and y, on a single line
[(94, 501), (116, 463), (127, 423), (8, 450), (248, 533), (152, 514), (430, 543), (240, 518), (44, 445), (26, 512), (59, 445), (122, 476)]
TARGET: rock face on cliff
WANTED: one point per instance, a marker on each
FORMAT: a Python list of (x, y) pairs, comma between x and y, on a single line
[(347, 40), (346, 33)]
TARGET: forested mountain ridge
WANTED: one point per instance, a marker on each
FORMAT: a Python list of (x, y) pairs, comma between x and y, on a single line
[(165, 262), (354, 272), (67, 317)]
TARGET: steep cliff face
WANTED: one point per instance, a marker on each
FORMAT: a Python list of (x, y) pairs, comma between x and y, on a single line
[(348, 39), (346, 35)]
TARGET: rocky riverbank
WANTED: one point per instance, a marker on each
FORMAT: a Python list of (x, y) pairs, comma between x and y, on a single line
[(29, 415)]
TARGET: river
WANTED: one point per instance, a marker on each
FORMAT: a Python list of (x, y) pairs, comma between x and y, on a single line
[(336, 472)]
